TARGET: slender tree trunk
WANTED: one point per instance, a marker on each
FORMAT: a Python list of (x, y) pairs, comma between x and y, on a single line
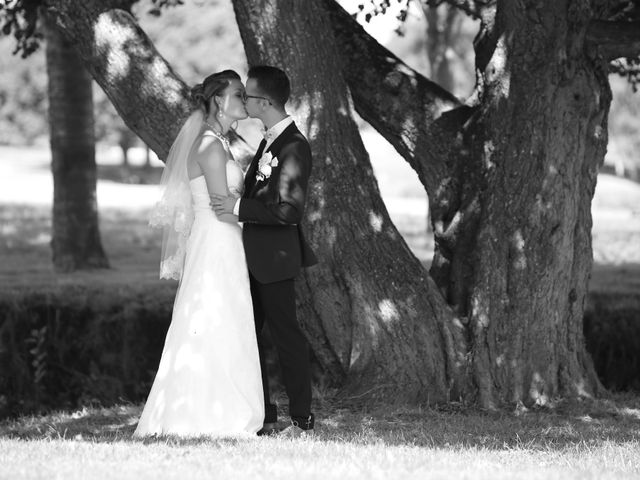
[(443, 25), (369, 308), (76, 236), (125, 155), (126, 140)]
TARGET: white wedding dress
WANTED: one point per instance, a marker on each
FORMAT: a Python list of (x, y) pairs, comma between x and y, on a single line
[(208, 382)]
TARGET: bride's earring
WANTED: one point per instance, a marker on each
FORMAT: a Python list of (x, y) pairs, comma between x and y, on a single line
[(234, 125), (220, 113)]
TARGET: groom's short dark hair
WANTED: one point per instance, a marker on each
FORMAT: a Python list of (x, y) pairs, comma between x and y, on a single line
[(273, 82)]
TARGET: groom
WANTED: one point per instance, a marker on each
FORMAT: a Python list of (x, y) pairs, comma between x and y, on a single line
[(271, 209)]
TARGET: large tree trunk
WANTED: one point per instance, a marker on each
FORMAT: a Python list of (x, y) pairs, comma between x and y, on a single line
[(537, 142), (513, 251), (370, 310), (75, 239)]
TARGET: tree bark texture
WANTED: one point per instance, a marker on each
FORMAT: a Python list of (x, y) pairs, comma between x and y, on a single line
[(537, 141), (370, 310), (614, 40), (75, 239)]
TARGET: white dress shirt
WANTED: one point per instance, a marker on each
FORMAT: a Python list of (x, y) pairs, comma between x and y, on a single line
[(270, 135)]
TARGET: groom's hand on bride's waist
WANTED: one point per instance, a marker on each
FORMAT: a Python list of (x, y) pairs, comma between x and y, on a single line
[(222, 204)]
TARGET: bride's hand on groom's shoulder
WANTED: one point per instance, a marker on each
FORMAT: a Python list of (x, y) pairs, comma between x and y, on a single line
[(222, 204)]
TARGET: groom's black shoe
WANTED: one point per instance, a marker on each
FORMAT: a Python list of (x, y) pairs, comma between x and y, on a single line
[(269, 429), (304, 423), (300, 427)]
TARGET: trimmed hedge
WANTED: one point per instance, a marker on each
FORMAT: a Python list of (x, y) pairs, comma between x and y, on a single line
[(80, 344), (612, 334)]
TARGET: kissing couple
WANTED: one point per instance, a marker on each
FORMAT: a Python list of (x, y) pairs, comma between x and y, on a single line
[(212, 378)]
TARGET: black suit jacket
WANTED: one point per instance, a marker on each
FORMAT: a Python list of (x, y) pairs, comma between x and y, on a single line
[(272, 210)]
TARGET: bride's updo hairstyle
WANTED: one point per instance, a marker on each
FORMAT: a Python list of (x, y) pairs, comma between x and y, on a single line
[(213, 85)]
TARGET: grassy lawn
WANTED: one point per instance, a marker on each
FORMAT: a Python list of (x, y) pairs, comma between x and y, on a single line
[(591, 439)]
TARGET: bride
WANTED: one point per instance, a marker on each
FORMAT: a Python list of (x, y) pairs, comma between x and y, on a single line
[(208, 381)]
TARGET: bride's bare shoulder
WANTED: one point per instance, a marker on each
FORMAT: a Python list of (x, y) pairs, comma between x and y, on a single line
[(209, 149)]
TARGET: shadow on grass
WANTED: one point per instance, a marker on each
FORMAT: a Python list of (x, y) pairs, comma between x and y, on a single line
[(566, 425)]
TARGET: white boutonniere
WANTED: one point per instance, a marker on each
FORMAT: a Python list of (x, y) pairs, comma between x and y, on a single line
[(266, 164)]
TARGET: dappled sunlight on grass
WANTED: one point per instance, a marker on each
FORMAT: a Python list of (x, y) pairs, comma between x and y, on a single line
[(22, 225), (632, 413), (132, 246), (94, 424), (600, 439), (589, 421)]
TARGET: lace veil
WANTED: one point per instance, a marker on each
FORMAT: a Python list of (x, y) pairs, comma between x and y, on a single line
[(174, 211)]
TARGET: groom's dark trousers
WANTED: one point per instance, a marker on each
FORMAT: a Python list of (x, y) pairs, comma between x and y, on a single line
[(271, 209), (275, 304)]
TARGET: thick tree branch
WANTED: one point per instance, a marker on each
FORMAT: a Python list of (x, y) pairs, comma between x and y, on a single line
[(614, 40), (139, 82), (418, 117)]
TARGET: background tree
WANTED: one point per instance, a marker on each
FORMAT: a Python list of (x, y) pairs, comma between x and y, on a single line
[(75, 238), (624, 140), (111, 129), (443, 27), (510, 179)]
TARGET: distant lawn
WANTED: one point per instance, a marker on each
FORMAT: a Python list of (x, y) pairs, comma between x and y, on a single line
[(133, 249), (585, 440)]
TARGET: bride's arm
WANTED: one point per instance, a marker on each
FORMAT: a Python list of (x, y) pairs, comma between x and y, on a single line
[(212, 159)]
